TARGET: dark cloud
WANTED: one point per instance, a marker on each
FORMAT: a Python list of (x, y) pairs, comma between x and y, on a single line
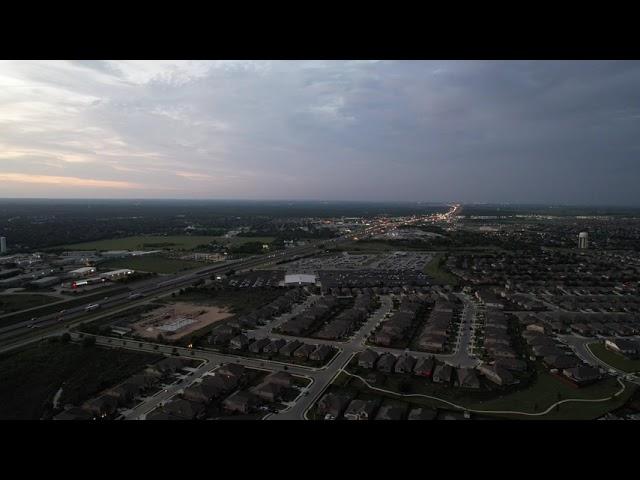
[(519, 131)]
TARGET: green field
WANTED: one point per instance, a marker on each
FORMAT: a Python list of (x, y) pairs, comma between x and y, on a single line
[(150, 263), (437, 272), (15, 303), (614, 359), (32, 376), (152, 242)]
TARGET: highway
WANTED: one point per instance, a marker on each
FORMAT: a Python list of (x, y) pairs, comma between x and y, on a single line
[(32, 330)]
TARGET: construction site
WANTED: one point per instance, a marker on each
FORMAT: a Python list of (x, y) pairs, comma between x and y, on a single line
[(178, 320)]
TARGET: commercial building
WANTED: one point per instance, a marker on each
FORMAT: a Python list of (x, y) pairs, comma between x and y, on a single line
[(82, 272), (583, 240), (116, 274), (299, 279)]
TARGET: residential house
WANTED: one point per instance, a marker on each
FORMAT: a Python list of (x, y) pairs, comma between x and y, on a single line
[(582, 374), (422, 414), (404, 364), (497, 374), (283, 379), (424, 367), (442, 374), (367, 359), (304, 351), (241, 402), (467, 378), (331, 405), (102, 406), (184, 409), (231, 370), (386, 362), (512, 364), (289, 348), (391, 412), (321, 354), (203, 392), (239, 342), (274, 346), (271, 392), (360, 410), (257, 346)]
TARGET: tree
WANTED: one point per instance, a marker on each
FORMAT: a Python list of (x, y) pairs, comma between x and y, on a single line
[(88, 341), (65, 338)]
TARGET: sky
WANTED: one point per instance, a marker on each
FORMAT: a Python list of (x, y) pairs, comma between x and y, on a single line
[(562, 132)]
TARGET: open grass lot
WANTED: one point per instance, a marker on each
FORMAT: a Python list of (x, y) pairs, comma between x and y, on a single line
[(240, 302), (32, 376), (435, 270), (150, 263), (614, 359), (235, 241), (150, 242), (17, 302), (541, 394)]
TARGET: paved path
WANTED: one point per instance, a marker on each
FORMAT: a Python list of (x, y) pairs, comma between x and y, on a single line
[(500, 412)]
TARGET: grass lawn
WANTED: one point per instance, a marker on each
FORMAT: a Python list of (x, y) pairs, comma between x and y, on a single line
[(15, 303), (437, 272), (32, 376), (543, 392), (614, 359), (150, 263), (151, 242)]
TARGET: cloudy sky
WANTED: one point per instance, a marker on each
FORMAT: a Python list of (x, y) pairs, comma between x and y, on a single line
[(470, 131)]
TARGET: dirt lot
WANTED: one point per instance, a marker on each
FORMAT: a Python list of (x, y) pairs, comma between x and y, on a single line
[(178, 320)]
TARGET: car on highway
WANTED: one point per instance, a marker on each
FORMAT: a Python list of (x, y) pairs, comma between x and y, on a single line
[(92, 307)]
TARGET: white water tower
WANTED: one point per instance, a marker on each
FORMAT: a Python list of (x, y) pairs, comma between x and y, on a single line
[(583, 240)]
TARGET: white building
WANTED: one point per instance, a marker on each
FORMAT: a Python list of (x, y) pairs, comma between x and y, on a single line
[(299, 279), (583, 240), (82, 272), (3, 245), (115, 274)]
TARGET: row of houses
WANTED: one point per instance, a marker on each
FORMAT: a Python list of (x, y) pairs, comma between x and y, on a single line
[(347, 321), (314, 315), (333, 406), (435, 333), (422, 367), (222, 334), (587, 324), (497, 341), (282, 347), (120, 396), (401, 322), (192, 404), (558, 358)]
